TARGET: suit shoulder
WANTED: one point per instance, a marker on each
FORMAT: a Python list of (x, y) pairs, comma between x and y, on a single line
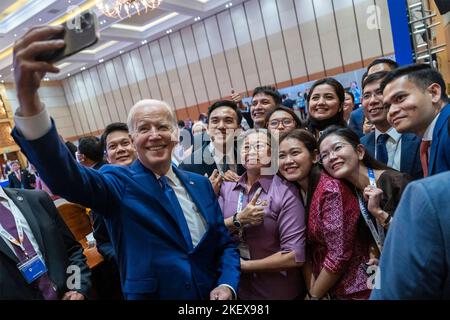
[(367, 138)]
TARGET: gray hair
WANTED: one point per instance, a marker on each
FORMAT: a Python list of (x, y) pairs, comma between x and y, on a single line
[(150, 103)]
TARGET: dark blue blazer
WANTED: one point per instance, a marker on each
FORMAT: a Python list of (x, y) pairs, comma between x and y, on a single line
[(440, 146), (410, 153), (356, 121), (154, 259), (416, 257)]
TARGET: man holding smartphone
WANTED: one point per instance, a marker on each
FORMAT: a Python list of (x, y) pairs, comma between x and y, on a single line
[(165, 223)]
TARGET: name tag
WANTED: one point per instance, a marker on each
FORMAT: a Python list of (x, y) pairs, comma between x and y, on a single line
[(32, 268)]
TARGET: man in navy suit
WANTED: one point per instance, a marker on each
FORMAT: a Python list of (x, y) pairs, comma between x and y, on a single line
[(416, 255), (166, 225), (418, 103), (398, 151)]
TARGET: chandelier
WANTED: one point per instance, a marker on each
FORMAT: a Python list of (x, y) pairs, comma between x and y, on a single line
[(119, 8)]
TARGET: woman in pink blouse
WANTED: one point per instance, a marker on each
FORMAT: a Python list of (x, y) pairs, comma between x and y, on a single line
[(265, 215), (336, 249)]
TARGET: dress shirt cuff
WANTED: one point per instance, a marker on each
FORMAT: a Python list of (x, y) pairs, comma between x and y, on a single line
[(231, 288), (33, 127)]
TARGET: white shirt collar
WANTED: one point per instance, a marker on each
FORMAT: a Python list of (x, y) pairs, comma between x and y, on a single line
[(170, 175), (428, 135), (393, 134)]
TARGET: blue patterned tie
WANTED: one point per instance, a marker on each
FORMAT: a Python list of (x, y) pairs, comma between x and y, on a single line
[(44, 283), (177, 210), (382, 154)]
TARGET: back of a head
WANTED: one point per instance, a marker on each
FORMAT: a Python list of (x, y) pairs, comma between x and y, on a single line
[(91, 148), (270, 91), (421, 75)]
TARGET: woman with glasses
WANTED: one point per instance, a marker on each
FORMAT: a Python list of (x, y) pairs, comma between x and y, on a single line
[(282, 119), (264, 214), (336, 249), (377, 186), (325, 105)]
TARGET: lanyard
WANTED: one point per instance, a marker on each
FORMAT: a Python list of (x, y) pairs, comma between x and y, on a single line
[(240, 201), (377, 232), (19, 227)]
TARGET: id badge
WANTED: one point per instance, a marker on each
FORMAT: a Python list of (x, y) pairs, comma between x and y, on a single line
[(32, 268), (244, 251)]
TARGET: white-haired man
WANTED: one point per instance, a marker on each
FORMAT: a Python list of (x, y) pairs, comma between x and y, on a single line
[(166, 224)]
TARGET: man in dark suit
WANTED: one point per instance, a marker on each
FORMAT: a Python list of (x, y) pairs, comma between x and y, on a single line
[(399, 151), (220, 155), (418, 103), (46, 235), (166, 225), (416, 255), (20, 178)]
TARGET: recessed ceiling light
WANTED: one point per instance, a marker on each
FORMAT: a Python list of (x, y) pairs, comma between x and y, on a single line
[(83, 68), (1, 76), (46, 79), (68, 74), (12, 69), (144, 41), (15, 34), (3, 81), (40, 19), (197, 19), (100, 61), (121, 51), (228, 5)]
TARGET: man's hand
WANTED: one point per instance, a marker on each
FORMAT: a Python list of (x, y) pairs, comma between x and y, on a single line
[(28, 72), (236, 97), (216, 181), (231, 176), (221, 293), (73, 295)]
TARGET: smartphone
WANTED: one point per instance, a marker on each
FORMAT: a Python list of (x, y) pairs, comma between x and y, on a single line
[(79, 33)]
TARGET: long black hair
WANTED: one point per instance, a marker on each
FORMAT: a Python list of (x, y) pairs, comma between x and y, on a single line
[(312, 146)]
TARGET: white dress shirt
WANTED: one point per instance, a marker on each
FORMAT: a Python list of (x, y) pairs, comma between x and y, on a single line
[(195, 221), (8, 203), (428, 135), (393, 146)]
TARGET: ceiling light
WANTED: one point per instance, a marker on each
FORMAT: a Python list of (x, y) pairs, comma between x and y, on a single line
[(144, 41), (169, 31), (197, 19), (100, 61), (121, 8), (40, 19), (228, 5), (83, 68), (46, 79), (15, 34), (68, 74), (12, 69), (121, 51), (3, 81), (1, 76)]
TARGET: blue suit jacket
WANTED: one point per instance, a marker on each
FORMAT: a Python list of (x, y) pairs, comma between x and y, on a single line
[(416, 257), (410, 153), (154, 259), (357, 121), (440, 146)]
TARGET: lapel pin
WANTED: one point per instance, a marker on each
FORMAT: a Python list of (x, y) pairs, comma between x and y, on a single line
[(19, 198), (191, 182)]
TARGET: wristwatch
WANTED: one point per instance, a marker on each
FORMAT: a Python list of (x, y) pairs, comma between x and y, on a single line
[(236, 222)]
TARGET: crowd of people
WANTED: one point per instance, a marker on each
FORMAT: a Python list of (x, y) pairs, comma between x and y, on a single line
[(283, 207)]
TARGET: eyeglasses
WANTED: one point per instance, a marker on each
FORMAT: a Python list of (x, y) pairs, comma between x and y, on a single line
[(377, 94), (276, 122), (325, 156), (256, 146)]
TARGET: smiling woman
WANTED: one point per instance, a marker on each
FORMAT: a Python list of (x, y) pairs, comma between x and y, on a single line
[(325, 104)]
